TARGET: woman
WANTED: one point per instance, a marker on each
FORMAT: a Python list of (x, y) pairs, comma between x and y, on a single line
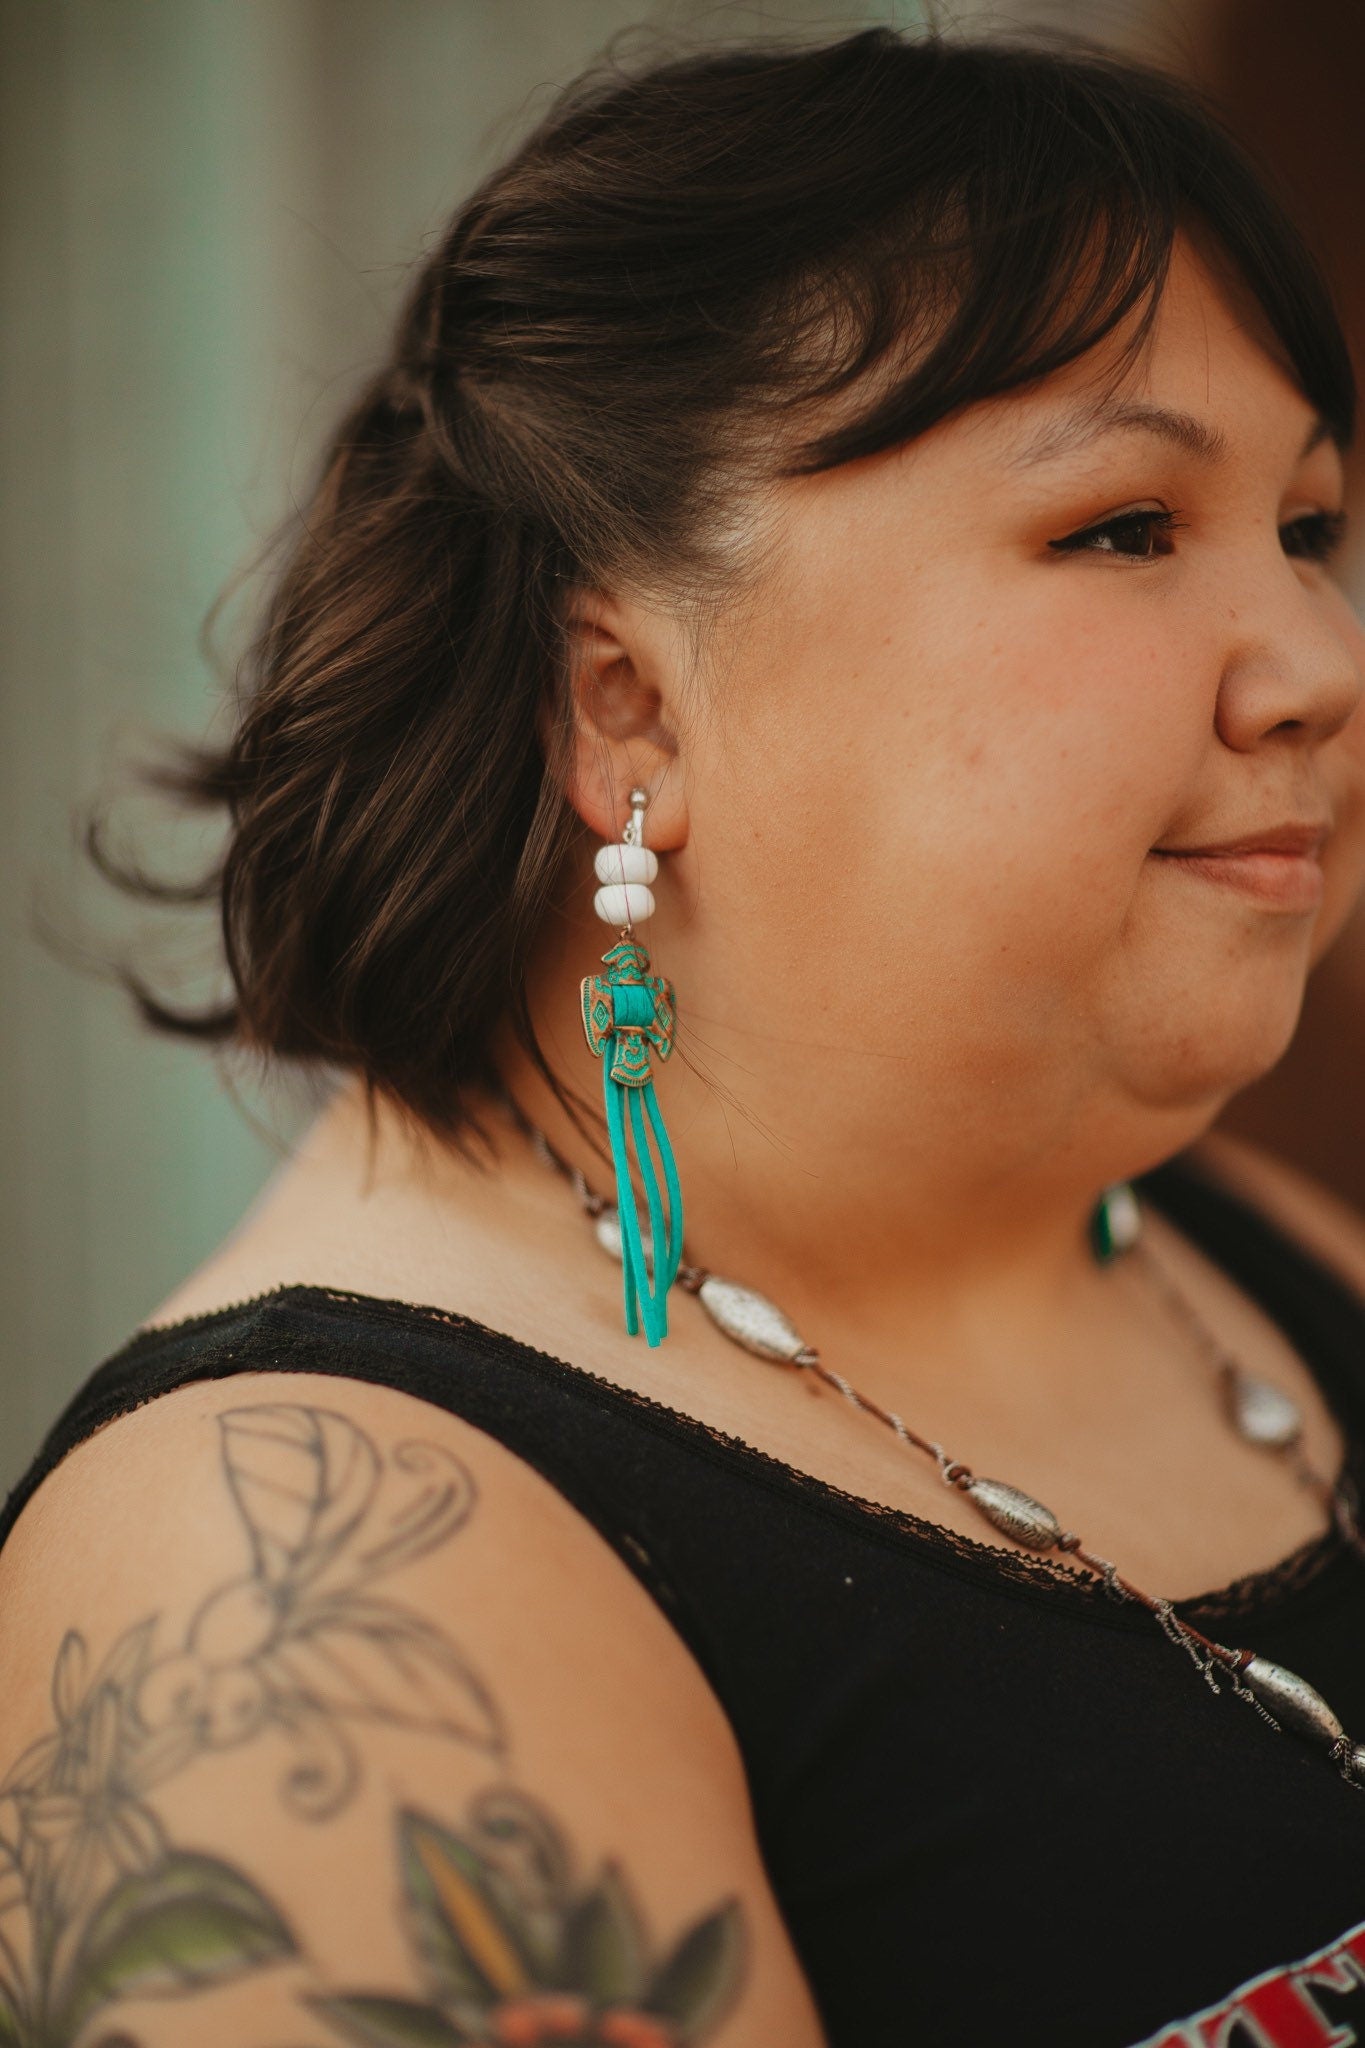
[(894, 482)]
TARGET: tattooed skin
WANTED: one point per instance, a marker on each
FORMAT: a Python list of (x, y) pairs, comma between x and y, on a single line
[(513, 1950), (98, 1905)]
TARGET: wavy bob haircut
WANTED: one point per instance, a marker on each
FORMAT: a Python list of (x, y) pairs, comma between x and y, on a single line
[(649, 301)]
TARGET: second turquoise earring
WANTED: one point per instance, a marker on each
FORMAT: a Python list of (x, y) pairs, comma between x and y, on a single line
[(629, 1013)]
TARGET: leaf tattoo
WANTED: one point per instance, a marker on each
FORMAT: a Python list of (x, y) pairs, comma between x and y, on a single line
[(188, 1924)]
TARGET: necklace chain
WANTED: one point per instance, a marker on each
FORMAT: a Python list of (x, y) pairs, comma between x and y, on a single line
[(1260, 1412)]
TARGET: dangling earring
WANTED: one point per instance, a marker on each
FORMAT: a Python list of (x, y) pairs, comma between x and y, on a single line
[(627, 1012)]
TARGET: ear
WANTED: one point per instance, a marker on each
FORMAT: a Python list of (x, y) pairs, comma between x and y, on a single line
[(621, 736)]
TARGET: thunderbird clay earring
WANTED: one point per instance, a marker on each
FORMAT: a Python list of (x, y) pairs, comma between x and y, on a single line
[(627, 1014)]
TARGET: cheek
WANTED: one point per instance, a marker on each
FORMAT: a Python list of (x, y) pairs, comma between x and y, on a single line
[(1049, 763), (971, 761)]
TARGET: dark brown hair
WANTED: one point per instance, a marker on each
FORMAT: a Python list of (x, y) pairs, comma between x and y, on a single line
[(643, 303)]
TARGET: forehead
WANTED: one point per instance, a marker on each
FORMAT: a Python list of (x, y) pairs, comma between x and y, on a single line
[(1209, 379)]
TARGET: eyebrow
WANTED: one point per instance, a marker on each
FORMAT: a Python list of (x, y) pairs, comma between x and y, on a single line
[(1133, 415)]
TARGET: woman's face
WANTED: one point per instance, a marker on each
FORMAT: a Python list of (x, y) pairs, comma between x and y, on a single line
[(985, 679)]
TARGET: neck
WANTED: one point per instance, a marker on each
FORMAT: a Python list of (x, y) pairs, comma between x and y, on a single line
[(958, 1208)]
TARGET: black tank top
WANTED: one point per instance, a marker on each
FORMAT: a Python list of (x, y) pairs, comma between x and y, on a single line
[(994, 1806)]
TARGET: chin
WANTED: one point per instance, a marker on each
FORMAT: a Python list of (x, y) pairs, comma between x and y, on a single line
[(1214, 1000), (1204, 1052)]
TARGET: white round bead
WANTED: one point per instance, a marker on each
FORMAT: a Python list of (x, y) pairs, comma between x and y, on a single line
[(624, 903), (622, 863)]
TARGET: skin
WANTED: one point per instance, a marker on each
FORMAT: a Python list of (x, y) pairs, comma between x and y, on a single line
[(936, 990)]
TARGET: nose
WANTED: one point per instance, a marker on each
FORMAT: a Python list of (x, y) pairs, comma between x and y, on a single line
[(1295, 661)]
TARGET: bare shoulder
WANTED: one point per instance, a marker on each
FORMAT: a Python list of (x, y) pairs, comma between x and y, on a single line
[(325, 1715), (1321, 1220)]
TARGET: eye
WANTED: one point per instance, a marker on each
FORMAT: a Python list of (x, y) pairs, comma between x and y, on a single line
[(1315, 537), (1139, 536)]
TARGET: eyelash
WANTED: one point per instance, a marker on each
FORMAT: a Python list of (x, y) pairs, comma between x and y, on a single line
[(1321, 535)]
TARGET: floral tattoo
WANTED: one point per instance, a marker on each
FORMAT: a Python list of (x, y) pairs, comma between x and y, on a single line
[(515, 1952), (97, 1905)]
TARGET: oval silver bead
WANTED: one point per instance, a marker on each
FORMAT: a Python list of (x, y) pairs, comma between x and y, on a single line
[(1262, 1413), (1292, 1700), (1123, 1215), (750, 1319), (1016, 1515), (607, 1228), (1355, 1763)]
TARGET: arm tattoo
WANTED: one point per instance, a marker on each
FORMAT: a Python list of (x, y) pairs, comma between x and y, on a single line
[(512, 1949), (96, 1904)]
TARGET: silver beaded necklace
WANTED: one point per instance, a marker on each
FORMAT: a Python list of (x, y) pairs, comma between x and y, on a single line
[(1261, 1413)]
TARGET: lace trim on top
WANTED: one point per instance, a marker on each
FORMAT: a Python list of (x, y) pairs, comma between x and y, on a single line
[(1254, 1593)]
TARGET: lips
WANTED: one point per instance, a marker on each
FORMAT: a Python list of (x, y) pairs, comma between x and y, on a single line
[(1302, 839), (1277, 868)]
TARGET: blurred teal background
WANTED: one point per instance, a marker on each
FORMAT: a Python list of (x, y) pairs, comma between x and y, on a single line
[(209, 207)]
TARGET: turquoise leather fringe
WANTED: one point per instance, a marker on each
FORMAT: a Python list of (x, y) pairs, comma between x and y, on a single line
[(645, 1300), (626, 1012)]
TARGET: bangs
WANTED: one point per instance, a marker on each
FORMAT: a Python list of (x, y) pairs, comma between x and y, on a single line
[(1058, 231)]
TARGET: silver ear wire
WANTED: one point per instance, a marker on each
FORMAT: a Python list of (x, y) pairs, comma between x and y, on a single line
[(634, 833)]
